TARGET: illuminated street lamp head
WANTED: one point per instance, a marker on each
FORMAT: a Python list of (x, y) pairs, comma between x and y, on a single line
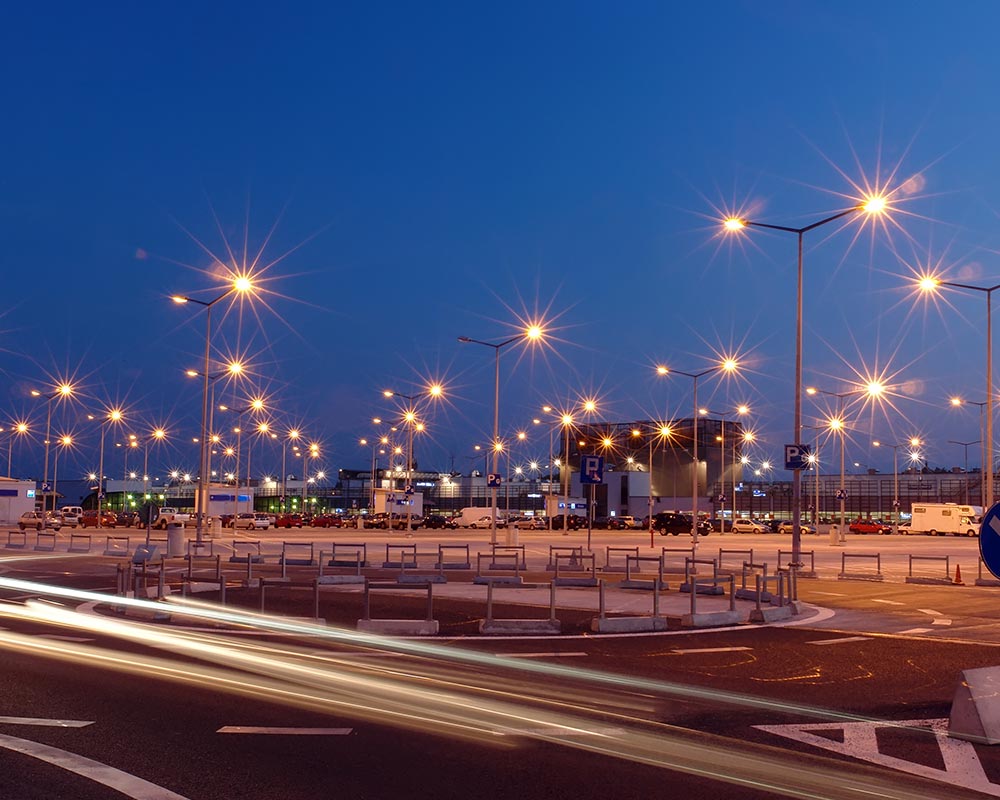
[(836, 424), (234, 368), (257, 404), (66, 441), (928, 283), (420, 427), (387, 393), (22, 428), (748, 436), (521, 436), (662, 370), (811, 390), (876, 444), (534, 332), (730, 365), (607, 441), (65, 390), (179, 299), (744, 409), (436, 390), (115, 415), (703, 412), (230, 451), (956, 401), (410, 417), (567, 419), (765, 465), (263, 427), (293, 434), (242, 284), (498, 447), (665, 430), (875, 204), (734, 224), (191, 373), (915, 442), (159, 433), (874, 388), (589, 406)]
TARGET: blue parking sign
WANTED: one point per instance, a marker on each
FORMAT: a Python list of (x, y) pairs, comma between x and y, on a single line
[(797, 456), (591, 469)]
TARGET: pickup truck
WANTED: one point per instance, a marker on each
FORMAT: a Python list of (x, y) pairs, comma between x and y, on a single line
[(869, 526), (168, 515)]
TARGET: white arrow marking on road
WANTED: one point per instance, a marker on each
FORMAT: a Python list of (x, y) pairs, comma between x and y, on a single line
[(123, 782), (889, 602), (940, 622), (287, 731), (930, 612), (961, 764), (49, 723), (916, 630)]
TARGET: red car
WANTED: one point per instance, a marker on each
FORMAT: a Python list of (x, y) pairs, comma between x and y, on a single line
[(89, 519), (869, 526), (288, 521), (327, 521)]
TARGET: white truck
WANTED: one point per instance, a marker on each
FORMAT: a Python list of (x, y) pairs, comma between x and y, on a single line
[(169, 514), (941, 518)]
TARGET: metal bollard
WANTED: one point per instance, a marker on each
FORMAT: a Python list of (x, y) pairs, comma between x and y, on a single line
[(489, 602), (758, 581), (693, 585), (552, 601), (160, 585), (261, 595), (600, 600), (316, 594), (781, 589), (656, 596), (732, 592)]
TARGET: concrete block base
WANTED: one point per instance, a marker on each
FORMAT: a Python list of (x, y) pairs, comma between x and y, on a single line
[(406, 577), (520, 627), (339, 580), (645, 585), (751, 594), (771, 614), (975, 709), (499, 580), (930, 581), (860, 576), (704, 588), (399, 627), (575, 581), (628, 624), (987, 582), (711, 619)]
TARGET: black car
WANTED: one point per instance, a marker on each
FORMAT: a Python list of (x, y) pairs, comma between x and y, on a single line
[(574, 522), (671, 522), (610, 523), (439, 521)]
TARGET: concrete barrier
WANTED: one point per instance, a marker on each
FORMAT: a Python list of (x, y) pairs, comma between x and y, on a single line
[(628, 551), (710, 586), (861, 576), (348, 554), (245, 551), (460, 563), (17, 540), (602, 623), (294, 554), (711, 619), (523, 627), (931, 579), (989, 581), (570, 555), (655, 583), (403, 550), (496, 564), (398, 627), (578, 565), (116, 546), (79, 543), (504, 550), (758, 571), (45, 541), (808, 569)]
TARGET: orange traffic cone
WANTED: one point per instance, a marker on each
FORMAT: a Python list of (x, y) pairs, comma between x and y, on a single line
[(958, 575)]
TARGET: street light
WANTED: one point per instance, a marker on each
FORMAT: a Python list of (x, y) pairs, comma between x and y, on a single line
[(63, 391), (114, 416), (16, 429), (957, 402), (660, 433), (240, 284), (838, 425), (872, 205), (433, 392), (728, 365), (930, 284), (913, 442), (64, 442), (741, 410), (292, 436), (531, 334), (965, 447)]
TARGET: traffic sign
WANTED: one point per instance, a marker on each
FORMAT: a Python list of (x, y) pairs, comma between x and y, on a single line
[(841, 494), (46, 487), (494, 479), (720, 499), (797, 456), (408, 489), (148, 513), (591, 469), (989, 540)]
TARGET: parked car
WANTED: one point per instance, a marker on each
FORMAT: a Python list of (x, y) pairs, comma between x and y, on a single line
[(327, 521), (748, 526), (485, 522), (288, 521), (865, 526), (251, 521), (786, 527), (126, 519), (71, 515), (89, 519), (439, 521), (628, 522), (38, 521), (529, 524), (574, 522), (671, 522)]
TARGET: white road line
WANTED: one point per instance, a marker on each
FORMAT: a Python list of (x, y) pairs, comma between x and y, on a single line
[(930, 612), (831, 594), (48, 723), (940, 622), (540, 655), (889, 602), (841, 641), (711, 650), (128, 785), (916, 630), (287, 731)]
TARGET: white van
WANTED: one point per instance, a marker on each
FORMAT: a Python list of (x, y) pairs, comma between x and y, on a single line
[(941, 518), (469, 517), (71, 515)]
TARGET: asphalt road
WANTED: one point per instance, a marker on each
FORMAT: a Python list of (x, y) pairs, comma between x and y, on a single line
[(735, 714)]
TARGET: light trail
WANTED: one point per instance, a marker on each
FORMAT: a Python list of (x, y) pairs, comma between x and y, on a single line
[(446, 710)]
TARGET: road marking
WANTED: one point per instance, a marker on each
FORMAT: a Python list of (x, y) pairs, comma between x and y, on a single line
[(287, 731), (711, 650), (841, 641), (961, 764), (940, 622), (889, 602), (930, 612), (916, 630), (123, 782), (831, 594), (49, 723), (540, 655)]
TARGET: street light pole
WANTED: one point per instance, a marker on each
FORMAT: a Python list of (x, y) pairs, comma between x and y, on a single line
[(965, 447), (914, 442), (871, 205)]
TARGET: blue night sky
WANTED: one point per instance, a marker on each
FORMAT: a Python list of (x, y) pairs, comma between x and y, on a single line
[(425, 171)]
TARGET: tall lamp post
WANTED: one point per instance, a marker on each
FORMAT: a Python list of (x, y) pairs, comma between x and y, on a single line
[(930, 284), (63, 391), (113, 416), (240, 284), (965, 470), (658, 433), (729, 365), (958, 401), (741, 410), (914, 442), (872, 205), (17, 429), (532, 333), (839, 425), (65, 442), (435, 390)]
